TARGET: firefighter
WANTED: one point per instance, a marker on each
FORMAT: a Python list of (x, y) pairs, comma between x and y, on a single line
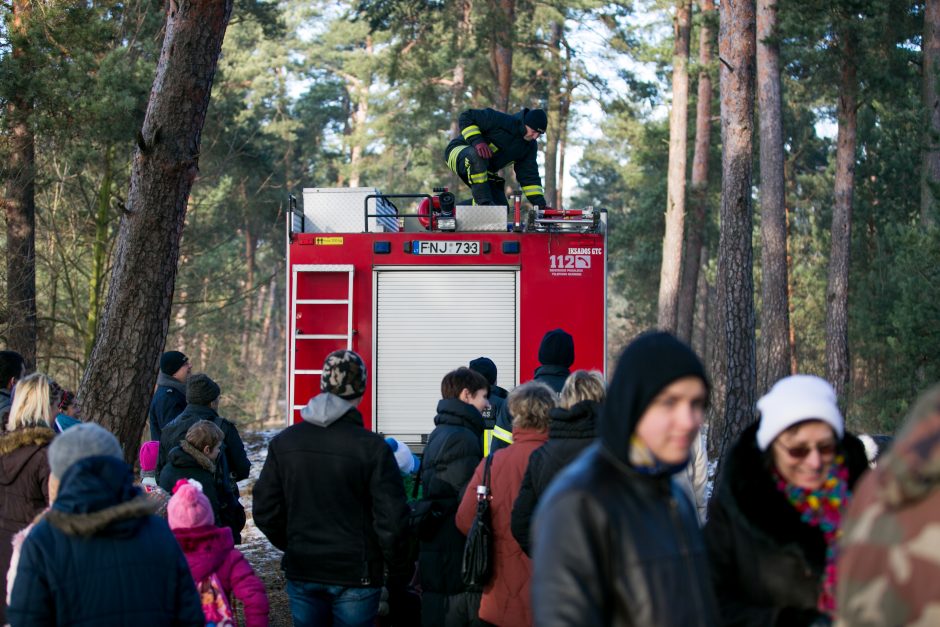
[(491, 140)]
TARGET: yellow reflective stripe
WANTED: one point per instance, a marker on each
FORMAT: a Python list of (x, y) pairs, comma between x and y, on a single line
[(478, 178), (471, 131), (452, 158), (533, 190), (494, 148), (502, 434), (487, 441)]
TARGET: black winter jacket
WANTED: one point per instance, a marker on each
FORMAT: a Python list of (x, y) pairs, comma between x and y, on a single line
[(187, 462), (99, 557), (553, 376), (572, 430), (454, 449), (168, 402), (499, 415), (763, 557), (332, 498), (233, 459), (505, 135)]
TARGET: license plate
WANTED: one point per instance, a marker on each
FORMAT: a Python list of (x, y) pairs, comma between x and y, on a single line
[(450, 247)]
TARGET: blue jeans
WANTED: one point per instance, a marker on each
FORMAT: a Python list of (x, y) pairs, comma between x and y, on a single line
[(319, 604)]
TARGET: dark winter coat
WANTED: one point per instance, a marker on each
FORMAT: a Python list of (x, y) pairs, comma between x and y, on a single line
[(330, 496), (453, 451), (99, 557), (210, 550), (233, 460), (188, 462), (553, 376), (506, 596), (763, 557), (571, 432), (505, 135), (169, 401), (24, 484), (6, 403), (615, 544)]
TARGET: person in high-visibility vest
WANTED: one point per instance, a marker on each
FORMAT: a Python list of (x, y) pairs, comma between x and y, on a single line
[(497, 423), (491, 140)]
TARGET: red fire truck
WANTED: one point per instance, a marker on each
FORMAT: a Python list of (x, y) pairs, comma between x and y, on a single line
[(419, 294)]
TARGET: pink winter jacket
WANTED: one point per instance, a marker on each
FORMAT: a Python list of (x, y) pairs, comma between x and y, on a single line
[(211, 550)]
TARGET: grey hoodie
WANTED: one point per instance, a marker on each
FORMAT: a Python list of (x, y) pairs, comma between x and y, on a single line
[(325, 409)]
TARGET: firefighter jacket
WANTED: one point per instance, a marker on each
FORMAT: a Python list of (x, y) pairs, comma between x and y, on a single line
[(505, 135)]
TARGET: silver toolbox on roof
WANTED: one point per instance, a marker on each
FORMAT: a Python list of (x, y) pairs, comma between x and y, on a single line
[(343, 210)]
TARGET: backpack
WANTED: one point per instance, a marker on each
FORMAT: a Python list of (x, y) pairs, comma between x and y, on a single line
[(215, 604)]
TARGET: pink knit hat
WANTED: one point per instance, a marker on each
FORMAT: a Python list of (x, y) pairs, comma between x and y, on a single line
[(148, 455), (189, 507)]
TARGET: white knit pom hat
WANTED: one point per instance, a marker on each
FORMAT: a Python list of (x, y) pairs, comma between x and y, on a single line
[(407, 462), (795, 399)]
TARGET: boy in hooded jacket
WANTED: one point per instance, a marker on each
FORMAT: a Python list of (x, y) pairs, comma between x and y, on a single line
[(616, 541), (210, 550)]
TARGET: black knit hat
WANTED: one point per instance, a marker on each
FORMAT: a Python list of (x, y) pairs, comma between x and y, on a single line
[(486, 367), (201, 390), (171, 361), (557, 349), (536, 119), (649, 364), (344, 374)]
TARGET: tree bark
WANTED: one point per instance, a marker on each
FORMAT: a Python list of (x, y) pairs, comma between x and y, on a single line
[(501, 51), (930, 174), (736, 43), (774, 347), (671, 269), (360, 92), (20, 203), (117, 385), (99, 252), (695, 233), (553, 140), (837, 292)]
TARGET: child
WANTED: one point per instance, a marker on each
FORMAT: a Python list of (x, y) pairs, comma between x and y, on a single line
[(218, 568), (148, 476)]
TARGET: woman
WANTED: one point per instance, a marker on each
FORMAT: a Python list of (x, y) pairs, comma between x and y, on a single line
[(506, 596), (572, 430), (24, 467), (774, 525), (195, 458)]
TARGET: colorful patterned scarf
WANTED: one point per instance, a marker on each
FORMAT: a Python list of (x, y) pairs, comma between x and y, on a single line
[(823, 508)]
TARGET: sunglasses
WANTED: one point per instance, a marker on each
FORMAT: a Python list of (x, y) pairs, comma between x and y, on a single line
[(802, 451)]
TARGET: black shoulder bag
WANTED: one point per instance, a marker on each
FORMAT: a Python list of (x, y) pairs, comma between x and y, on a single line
[(477, 565)]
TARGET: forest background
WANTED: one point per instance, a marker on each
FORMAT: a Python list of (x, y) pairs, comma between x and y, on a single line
[(311, 94)]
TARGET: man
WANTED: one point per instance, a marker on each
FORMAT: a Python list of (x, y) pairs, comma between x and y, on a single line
[(497, 433), (556, 354), (331, 497), (202, 398), (491, 140), (170, 398), (12, 369), (616, 541), (99, 556)]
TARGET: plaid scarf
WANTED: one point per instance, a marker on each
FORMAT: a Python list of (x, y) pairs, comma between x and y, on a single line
[(823, 508)]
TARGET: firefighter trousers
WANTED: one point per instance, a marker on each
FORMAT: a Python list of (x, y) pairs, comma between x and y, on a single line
[(488, 188)]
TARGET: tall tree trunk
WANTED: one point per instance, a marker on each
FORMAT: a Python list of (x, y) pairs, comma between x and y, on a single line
[(20, 203), (774, 347), (837, 291), (930, 174), (357, 135), (736, 42), (552, 141), (501, 51), (671, 269), (99, 253), (117, 384), (563, 116), (695, 233)]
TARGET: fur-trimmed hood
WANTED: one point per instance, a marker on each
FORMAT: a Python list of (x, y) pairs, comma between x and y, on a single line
[(97, 495), (749, 490), (186, 455), (18, 447)]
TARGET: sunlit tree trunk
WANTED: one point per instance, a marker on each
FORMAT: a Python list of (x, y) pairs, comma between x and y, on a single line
[(930, 174), (671, 269), (501, 50)]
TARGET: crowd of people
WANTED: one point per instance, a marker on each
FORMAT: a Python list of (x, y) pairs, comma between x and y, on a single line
[(592, 493)]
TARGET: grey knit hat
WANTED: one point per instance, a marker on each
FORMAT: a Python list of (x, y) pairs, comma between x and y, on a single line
[(81, 441), (344, 375), (201, 390)]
